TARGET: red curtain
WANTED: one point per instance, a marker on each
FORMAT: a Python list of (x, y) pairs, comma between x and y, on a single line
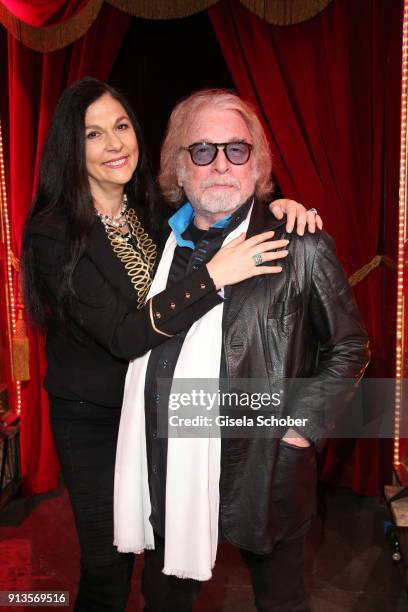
[(35, 81), (40, 14), (324, 89)]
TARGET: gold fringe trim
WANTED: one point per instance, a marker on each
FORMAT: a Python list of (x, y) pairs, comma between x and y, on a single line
[(162, 9), (358, 276), (21, 369), (285, 12), (20, 344), (52, 38)]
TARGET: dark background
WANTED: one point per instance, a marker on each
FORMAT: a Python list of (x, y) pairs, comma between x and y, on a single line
[(174, 58)]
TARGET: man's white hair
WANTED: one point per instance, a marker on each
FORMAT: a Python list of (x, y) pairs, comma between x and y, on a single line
[(179, 124)]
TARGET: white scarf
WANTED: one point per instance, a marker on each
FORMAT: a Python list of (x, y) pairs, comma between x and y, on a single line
[(193, 464)]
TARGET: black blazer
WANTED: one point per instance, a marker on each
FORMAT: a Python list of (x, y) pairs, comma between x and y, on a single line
[(89, 362)]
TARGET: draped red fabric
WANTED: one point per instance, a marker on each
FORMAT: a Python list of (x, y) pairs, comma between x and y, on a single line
[(40, 13), (35, 82), (323, 89)]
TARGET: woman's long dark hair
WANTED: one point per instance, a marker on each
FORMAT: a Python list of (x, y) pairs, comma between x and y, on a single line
[(63, 191)]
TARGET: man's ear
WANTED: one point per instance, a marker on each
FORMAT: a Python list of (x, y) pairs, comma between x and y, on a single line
[(179, 174)]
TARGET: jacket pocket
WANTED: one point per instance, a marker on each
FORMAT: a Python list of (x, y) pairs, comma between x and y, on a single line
[(282, 327), (294, 487), (294, 446), (279, 310)]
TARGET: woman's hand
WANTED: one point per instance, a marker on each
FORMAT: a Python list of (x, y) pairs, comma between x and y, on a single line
[(296, 212), (235, 262)]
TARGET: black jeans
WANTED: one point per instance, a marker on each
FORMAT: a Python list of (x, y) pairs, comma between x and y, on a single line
[(277, 580), (85, 435)]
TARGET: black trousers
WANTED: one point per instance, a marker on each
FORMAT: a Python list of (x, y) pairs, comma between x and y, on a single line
[(85, 436), (277, 580)]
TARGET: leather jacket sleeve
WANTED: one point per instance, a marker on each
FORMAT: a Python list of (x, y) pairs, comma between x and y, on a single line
[(343, 352)]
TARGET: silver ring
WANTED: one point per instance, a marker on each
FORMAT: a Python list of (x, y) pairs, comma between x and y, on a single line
[(257, 259), (313, 210)]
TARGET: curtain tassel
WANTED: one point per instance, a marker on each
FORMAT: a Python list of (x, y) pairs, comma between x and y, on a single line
[(20, 347)]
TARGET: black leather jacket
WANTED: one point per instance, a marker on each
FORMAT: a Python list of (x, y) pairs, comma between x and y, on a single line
[(302, 323)]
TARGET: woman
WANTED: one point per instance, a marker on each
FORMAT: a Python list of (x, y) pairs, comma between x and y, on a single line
[(89, 253)]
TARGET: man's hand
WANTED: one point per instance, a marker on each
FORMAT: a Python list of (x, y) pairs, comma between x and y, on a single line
[(235, 261), (296, 212), (292, 437)]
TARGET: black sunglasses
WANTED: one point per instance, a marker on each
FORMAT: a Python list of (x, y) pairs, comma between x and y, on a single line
[(204, 153)]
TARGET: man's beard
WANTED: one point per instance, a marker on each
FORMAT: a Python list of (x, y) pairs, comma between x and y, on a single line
[(208, 202)]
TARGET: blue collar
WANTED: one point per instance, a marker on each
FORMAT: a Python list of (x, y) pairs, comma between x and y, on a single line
[(181, 219)]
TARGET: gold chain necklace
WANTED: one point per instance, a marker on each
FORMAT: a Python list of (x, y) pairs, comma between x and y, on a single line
[(139, 262)]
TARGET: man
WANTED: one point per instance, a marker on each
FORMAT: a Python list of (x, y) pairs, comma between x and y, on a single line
[(256, 492)]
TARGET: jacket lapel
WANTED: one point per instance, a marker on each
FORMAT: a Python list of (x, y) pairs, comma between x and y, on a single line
[(104, 258), (261, 220)]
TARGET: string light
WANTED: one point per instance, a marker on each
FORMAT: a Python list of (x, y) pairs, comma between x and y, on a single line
[(11, 302), (402, 233)]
